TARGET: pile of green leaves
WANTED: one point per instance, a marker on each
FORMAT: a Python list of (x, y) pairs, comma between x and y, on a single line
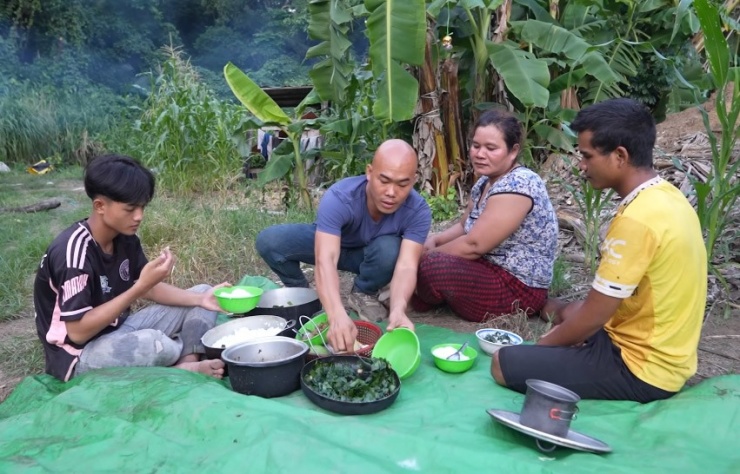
[(350, 382)]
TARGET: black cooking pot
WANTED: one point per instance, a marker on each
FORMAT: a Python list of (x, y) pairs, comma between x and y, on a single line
[(548, 407), (267, 367), (288, 303)]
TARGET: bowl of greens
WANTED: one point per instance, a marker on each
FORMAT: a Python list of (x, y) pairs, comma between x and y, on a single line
[(350, 385), (491, 340)]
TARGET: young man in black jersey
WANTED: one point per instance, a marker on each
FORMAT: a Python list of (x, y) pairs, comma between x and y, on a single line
[(94, 270)]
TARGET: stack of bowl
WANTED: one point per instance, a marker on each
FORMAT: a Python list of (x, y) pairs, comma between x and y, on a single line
[(239, 330)]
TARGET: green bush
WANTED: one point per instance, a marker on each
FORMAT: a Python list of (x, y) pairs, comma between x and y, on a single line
[(443, 207)]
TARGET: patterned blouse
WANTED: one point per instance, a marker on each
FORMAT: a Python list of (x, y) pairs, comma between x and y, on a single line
[(528, 253)]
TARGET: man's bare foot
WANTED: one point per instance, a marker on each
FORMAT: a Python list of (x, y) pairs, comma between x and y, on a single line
[(212, 367)]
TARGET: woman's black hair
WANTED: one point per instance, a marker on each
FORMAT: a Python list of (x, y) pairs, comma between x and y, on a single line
[(119, 178), (506, 122)]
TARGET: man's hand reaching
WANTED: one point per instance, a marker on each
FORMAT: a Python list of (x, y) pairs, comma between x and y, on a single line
[(399, 320), (342, 333)]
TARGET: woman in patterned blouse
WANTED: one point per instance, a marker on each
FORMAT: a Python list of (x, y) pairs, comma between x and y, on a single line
[(499, 257)]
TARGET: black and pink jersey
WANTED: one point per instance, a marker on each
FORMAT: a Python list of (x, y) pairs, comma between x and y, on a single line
[(74, 277)]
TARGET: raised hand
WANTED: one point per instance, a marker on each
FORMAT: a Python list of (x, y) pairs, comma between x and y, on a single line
[(157, 270)]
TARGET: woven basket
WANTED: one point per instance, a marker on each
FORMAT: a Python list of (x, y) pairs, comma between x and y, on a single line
[(367, 334)]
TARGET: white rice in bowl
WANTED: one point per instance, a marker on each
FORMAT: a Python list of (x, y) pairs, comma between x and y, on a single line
[(244, 335)]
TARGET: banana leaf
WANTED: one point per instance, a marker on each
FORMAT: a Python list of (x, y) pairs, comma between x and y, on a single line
[(715, 45), (396, 29), (525, 76), (329, 22), (280, 163), (253, 97), (557, 40)]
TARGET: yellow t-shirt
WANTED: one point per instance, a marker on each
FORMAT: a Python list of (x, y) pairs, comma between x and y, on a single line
[(654, 258)]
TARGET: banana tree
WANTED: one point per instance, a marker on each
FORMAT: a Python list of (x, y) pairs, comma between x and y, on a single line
[(396, 31), (329, 23), (265, 109)]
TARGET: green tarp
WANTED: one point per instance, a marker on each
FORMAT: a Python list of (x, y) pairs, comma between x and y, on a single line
[(166, 420)]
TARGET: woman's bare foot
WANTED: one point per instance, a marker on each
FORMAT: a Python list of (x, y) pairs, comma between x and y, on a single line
[(212, 367)]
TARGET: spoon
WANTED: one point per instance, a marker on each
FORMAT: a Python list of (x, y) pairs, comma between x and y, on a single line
[(456, 355), (366, 370)]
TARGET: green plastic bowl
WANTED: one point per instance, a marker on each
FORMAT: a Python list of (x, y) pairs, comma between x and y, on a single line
[(318, 339), (455, 366), (238, 304), (401, 349)]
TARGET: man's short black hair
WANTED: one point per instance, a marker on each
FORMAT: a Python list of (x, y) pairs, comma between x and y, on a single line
[(119, 178), (619, 122)]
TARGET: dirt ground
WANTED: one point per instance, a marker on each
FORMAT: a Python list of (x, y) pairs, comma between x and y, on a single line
[(719, 349)]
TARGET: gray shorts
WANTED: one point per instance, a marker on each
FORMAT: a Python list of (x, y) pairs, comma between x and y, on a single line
[(155, 336)]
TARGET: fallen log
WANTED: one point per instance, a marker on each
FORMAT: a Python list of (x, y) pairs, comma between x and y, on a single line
[(44, 205)]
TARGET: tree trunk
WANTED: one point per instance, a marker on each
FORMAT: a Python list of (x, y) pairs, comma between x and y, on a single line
[(452, 119), (428, 129)]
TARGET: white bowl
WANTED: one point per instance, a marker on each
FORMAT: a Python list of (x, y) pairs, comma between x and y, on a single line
[(491, 347)]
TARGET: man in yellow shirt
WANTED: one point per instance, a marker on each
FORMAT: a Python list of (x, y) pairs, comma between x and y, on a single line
[(636, 334)]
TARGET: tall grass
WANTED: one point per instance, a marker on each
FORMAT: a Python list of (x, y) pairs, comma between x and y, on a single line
[(561, 276), (185, 133), (37, 123), (212, 238)]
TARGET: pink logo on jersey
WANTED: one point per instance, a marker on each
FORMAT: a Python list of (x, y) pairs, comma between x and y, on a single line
[(73, 286), (123, 271)]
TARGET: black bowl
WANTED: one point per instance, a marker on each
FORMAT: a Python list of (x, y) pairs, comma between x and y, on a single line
[(346, 408), (289, 304)]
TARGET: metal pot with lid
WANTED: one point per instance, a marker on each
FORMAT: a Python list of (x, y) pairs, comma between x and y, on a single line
[(267, 367), (548, 407)]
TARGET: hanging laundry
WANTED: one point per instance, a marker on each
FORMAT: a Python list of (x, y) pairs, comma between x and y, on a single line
[(265, 143)]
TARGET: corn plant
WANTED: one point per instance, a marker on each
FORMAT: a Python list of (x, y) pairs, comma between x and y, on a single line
[(184, 132), (717, 195), (591, 203)]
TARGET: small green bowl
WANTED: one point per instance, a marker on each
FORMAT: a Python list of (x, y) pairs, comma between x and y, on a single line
[(400, 347), (310, 326), (238, 304), (455, 366)]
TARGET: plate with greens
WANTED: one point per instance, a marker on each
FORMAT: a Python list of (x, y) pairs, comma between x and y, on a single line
[(350, 385), (491, 340)]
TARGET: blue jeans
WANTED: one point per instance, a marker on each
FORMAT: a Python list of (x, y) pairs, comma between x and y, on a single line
[(284, 247)]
